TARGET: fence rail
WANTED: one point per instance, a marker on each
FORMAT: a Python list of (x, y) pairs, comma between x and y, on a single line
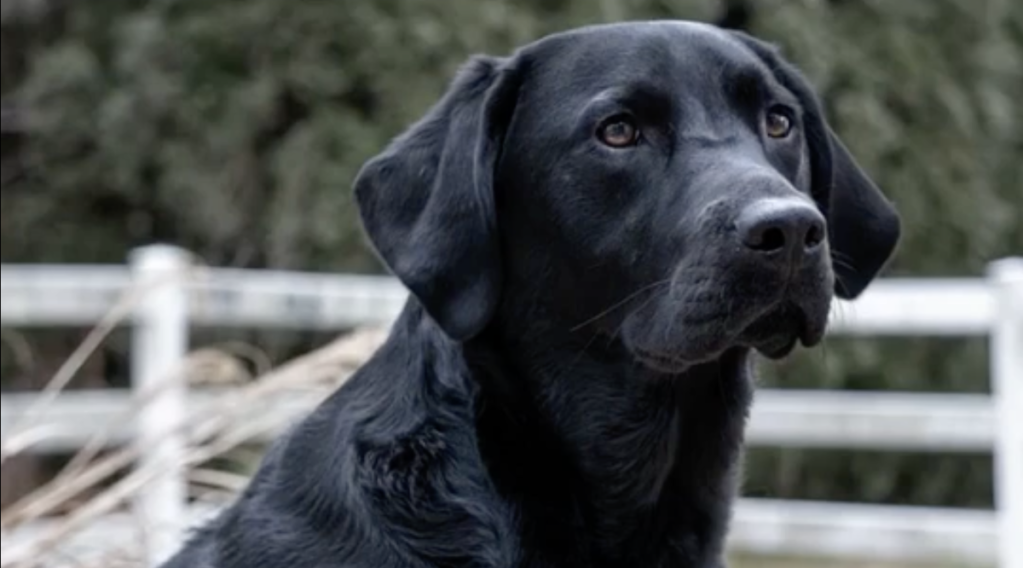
[(36, 296), (803, 419), (173, 294), (924, 536)]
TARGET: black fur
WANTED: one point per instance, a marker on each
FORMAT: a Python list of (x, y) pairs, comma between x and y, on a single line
[(569, 382)]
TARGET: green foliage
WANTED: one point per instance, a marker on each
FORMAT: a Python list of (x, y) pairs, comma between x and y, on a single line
[(235, 127)]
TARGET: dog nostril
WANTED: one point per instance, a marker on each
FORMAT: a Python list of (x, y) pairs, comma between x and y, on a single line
[(814, 236), (768, 239)]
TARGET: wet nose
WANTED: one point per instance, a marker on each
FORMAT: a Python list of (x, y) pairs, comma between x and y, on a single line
[(784, 230)]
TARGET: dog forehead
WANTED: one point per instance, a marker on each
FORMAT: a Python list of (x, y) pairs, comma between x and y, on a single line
[(600, 56)]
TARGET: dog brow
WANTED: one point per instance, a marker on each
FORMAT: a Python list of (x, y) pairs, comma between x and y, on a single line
[(745, 85)]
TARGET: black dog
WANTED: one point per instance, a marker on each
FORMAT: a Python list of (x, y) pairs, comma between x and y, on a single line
[(597, 232)]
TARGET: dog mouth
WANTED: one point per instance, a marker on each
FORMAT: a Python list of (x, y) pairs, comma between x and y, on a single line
[(776, 333), (777, 347), (675, 332)]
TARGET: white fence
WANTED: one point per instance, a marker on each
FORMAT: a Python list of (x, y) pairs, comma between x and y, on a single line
[(175, 294)]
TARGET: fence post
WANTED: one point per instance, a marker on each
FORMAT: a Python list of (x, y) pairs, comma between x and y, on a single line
[(1007, 385), (159, 344)]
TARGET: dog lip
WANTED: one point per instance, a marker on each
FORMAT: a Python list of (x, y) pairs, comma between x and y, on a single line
[(776, 333), (778, 349), (812, 329), (660, 361), (811, 335)]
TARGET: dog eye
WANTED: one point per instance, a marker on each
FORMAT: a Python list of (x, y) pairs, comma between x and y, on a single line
[(619, 132), (777, 123)]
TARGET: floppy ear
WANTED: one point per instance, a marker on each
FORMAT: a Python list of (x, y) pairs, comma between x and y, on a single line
[(427, 201), (863, 226)]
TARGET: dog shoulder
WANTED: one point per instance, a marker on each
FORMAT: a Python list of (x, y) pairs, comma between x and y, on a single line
[(418, 467), (388, 466)]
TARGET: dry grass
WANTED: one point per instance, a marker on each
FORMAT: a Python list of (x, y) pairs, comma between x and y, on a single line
[(97, 483)]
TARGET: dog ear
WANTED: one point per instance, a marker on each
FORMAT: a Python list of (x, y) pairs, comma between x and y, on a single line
[(427, 201), (863, 226)]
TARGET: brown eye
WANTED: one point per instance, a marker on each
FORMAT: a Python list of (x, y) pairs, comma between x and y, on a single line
[(619, 132), (777, 124)]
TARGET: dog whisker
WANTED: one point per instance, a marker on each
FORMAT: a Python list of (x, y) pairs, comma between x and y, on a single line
[(619, 304), (842, 260), (618, 329)]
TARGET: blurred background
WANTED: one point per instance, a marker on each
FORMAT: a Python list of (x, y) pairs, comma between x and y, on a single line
[(233, 129)]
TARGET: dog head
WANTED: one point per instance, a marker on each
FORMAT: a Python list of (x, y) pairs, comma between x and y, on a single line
[(670, 184)]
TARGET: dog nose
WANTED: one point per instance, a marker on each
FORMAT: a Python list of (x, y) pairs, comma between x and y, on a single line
[(782, 228)]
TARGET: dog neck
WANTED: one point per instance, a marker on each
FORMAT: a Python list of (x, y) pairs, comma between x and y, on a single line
[(596, 444)]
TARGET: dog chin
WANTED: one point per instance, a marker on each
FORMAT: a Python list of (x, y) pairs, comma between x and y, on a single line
[(774, 347)]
